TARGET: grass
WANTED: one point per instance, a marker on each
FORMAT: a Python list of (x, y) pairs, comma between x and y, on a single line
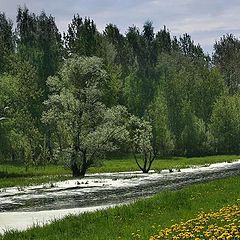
[(141, 219), (120, 165), (15, 175)]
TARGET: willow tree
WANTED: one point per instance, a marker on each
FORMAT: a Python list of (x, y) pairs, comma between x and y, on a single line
[(85, 126)]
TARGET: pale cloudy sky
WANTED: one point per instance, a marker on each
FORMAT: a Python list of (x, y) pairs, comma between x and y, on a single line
[(205, 20)]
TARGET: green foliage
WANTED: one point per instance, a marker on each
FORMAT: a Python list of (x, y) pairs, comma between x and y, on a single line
[(190, 90), (81, 37), (39, 42), (158, 116), (123, 51), (168, 81), (225, 124), (113, 87), (6, 42), (75, 108), (142, 143), (188, 48), (209, 87), (133, 94), (194, 135), (22, 135), (227, 56), (163, 41)]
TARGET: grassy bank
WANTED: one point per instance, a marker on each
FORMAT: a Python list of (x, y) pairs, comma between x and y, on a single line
[(119, 165), (143, 218), (15, 175)]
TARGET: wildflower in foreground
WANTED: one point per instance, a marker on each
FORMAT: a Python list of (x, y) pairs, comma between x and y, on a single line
[(223, 224)]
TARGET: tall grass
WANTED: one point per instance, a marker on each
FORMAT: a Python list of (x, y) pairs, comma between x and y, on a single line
[(141, 219)]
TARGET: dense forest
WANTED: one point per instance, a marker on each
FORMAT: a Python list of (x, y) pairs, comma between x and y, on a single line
[(70, 94)]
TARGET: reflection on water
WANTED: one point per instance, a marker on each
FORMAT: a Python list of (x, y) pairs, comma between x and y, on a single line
[(109, 188)]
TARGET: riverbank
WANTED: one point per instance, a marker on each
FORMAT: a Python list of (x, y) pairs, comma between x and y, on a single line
[(15, 175), (142, 219)]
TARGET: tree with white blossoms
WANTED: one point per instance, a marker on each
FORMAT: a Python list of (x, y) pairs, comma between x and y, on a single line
[(143, 144), (85, 127)]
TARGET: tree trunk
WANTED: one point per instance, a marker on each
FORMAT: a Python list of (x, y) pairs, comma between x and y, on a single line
[(75, 170), (83, 170), (147, 163), (49, 142), (145, 170), (79, 171)]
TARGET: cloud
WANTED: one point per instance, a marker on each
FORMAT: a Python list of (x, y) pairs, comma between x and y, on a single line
[(204, 20)]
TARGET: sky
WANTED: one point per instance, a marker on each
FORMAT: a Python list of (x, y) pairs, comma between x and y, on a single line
[(205, 20)]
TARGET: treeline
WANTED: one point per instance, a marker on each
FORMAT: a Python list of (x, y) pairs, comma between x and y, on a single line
[(191, 99)]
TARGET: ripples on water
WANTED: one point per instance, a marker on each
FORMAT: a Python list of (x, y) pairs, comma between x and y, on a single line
[(109, 188)]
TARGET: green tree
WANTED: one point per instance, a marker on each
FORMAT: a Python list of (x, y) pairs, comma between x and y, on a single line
[(49, 43), (81, 37), (39, 42), (6, 42), (177, 87), (225, 124), (113, 90), (123, 59), (21, 127), (26, 35), (189, 49), (194, 135), (6, 92), (184, 81), (123, 52), (133, 94), (227, 57), (158, 117), (142, 76), (142, 143), (75, 107), (163, 41), (209, 87)]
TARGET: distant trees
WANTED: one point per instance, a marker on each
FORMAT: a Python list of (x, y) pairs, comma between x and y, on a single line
[(188, 48), (23, 136), (69, 97), (163, 41), (81, 37), (225, 124), (6, 42), (158, 117), (39, 42), (227, 57)]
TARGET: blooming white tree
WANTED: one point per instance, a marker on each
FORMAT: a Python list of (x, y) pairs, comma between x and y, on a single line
[(86, 128), (143, 146)]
